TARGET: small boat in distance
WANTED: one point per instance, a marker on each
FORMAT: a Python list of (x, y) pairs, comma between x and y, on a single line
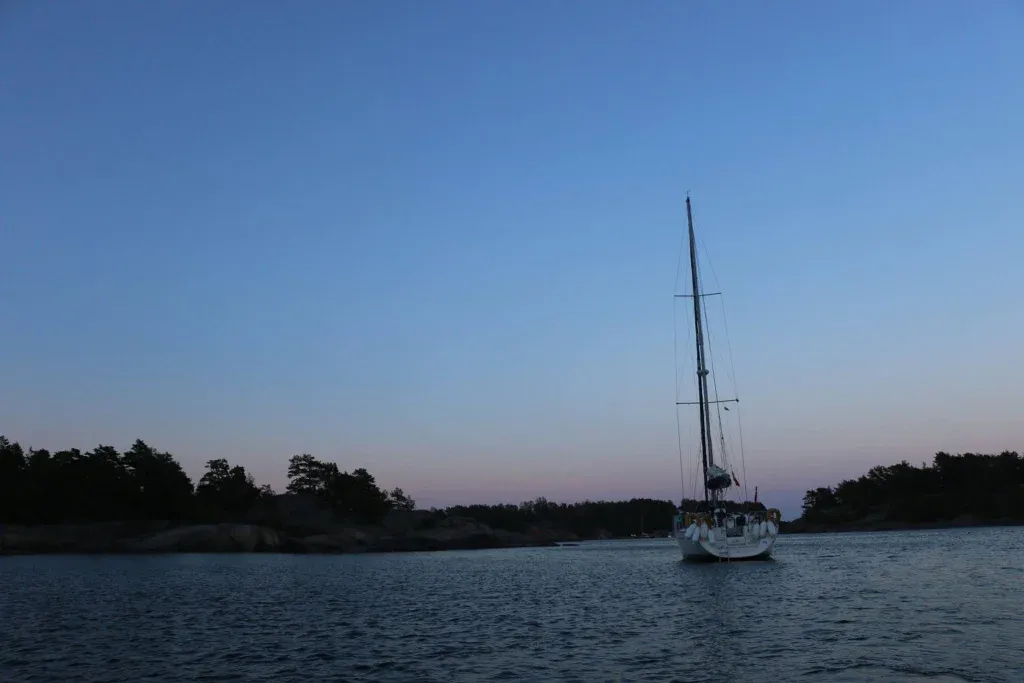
[(716, 528)]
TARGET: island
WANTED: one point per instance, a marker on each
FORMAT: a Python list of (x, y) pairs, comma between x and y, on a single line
[(142, 501), (969, 489)]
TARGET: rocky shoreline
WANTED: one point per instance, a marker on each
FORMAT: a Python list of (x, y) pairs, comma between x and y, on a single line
[(118, 537), (284, 524)]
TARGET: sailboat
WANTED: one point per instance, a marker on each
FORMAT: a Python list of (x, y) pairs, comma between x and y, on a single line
[(717, 528)]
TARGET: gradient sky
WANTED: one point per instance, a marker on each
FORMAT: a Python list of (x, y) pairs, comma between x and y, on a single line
[(439, 239)]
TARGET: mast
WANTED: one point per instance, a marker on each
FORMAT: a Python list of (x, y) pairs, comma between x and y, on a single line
[(706, 450)]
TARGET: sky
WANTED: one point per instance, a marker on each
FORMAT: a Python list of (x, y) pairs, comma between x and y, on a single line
[(440, 240)]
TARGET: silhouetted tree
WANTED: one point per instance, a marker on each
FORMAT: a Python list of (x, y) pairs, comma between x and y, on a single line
[(161, 489), (40, 487), (587, 519), (14, 479), (354, 496), (102, 485), (819, 499), (359, 497), (400, 501), (985, 486), (306, 474), (107, 485), (231, 491)]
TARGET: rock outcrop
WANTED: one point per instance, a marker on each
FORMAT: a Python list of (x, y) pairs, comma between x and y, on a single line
[(215, 538), (285, 523), (295, 514), (74, 538)]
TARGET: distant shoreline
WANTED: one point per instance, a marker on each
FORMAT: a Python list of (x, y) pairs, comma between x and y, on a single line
[(402, 534), (97, 539), (797, 527)]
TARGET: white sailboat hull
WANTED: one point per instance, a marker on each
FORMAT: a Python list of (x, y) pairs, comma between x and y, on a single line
[(731, 549)]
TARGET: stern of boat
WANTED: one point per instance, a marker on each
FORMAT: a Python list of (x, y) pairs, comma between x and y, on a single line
[(699, 541)]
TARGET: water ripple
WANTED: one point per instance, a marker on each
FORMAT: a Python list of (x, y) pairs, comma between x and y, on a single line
[(936, 606)]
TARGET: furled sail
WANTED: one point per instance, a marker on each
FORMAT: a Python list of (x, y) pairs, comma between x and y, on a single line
[(718, 478)]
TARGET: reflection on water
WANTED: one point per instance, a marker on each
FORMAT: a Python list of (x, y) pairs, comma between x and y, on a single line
[(929, 606)]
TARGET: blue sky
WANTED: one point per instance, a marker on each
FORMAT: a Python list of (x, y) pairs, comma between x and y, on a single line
[(439, 240)]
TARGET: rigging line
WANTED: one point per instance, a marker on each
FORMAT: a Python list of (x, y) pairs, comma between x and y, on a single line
[(690, 475), (732, 375), (721, 430), (677, 370), (714, 377), (675, 349), (739, 420), (676, 377), (675, 374), (718, 407), (718, 410), (700, 376), (692, 462), (743, 457), (679, 433), (690, 459), (725, 322), (679, 258)]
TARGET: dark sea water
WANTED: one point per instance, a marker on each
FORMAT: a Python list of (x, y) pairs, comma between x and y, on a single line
[(919, 606)]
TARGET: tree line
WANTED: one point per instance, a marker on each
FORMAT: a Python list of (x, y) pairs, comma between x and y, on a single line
[(143, 483), (587, 519), (590, 519), (988, 487)]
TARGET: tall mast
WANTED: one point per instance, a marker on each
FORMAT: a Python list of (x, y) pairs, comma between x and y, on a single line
[(706, 450)]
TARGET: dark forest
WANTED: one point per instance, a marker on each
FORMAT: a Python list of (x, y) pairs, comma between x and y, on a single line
[(143, 483)]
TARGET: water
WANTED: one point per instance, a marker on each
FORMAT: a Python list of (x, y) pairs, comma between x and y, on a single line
[(922, 606)]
